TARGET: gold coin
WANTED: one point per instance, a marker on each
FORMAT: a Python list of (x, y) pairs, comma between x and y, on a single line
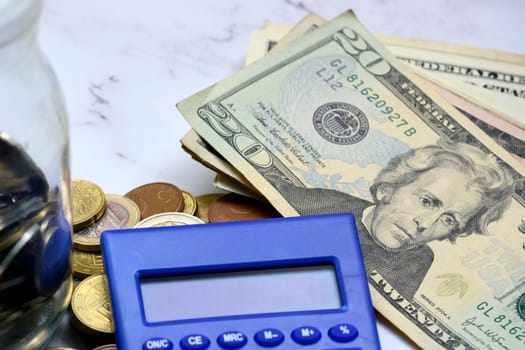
[(203, 204), (91, 306), (121, 212), (169, 219), (86, 264), (190, 203), (88, 203)]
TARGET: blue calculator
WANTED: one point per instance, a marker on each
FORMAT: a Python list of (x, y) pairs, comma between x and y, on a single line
[(284, 283)]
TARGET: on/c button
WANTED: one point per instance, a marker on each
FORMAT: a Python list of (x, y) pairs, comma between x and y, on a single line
[(157, 344)]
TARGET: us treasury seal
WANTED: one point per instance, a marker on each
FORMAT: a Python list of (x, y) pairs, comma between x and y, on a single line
[(520, 306), (340, 123)]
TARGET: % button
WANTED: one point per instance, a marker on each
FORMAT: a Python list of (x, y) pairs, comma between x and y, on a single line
[(343, 333)]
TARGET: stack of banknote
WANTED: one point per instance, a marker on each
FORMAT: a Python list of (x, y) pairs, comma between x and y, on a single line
[(422, 141)]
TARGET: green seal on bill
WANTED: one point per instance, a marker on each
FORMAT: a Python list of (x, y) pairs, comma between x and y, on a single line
[(520, 306)]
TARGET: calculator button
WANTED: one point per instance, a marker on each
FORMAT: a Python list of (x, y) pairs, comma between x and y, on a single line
[(306, 335), (157, 344), (232, 340), (194, 342), (269, 337), (343, 333)]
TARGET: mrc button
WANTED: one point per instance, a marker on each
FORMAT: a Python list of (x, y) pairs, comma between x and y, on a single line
[(232, 340), (157, 344), (194, 342)]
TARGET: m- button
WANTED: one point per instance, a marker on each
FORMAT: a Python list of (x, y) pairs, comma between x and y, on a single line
[(232, 340), (269, 337)]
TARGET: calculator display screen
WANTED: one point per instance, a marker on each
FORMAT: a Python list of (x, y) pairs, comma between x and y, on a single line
[(258, 291)]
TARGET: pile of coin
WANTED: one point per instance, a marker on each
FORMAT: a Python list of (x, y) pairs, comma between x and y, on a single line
[(149, 205)]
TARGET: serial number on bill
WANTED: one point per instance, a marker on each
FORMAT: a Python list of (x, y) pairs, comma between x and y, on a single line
[(381, 105)]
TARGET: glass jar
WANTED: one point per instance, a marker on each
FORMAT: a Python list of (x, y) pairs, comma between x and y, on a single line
[(35, 205)]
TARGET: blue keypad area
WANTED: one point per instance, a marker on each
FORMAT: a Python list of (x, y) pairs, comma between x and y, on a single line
[(284, 283), (265, 338)]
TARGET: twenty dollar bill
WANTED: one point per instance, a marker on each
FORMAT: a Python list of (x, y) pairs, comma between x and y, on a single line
[(315, 126)]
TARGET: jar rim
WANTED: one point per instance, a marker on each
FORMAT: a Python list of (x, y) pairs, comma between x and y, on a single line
[(16, 16)]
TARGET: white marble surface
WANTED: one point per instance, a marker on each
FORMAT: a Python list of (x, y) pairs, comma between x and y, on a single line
[(123, 64)]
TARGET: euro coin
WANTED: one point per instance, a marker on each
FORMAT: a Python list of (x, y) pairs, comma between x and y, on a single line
[(15, 223), (121, 212), (190, 203), (169, 219), (106, 347), (88, 203), (91, 306), (234, 207), (86, 264), (203, 204), (156, 197)]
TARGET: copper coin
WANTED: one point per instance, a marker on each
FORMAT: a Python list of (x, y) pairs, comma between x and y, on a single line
[(234, 207), (204, 202), (156, 197)]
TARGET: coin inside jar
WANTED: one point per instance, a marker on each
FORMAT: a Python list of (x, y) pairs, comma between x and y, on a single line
[(106, 347), (88, 203), (156, 197), (234, 207)]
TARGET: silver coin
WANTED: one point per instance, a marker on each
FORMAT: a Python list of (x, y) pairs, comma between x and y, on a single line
[(169, 219)]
